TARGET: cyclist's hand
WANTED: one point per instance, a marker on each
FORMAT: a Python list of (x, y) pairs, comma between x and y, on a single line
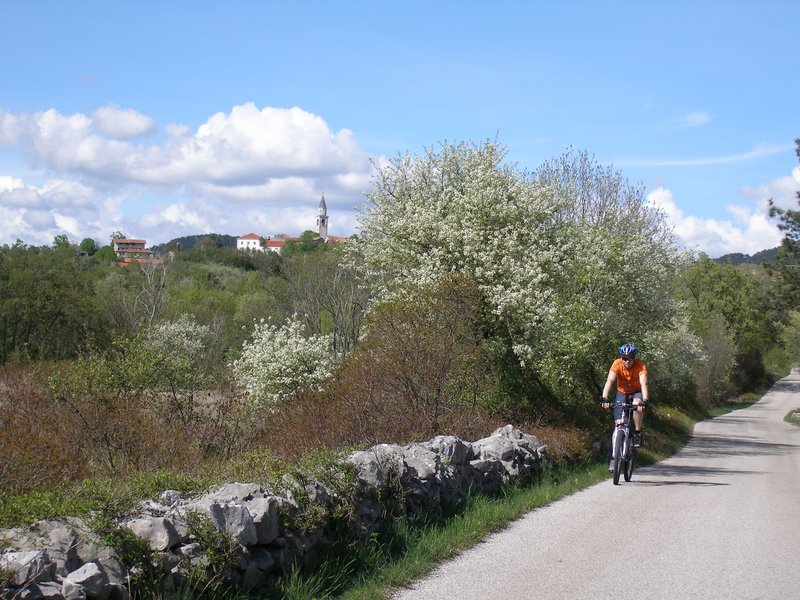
[(605, 403)]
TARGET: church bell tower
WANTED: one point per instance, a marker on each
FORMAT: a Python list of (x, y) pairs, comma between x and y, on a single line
[(322, 219)]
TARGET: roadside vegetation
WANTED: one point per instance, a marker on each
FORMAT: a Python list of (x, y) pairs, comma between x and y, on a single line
[(794, 417), (475, 295)]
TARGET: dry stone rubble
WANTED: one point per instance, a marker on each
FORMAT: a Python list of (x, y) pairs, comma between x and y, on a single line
[(64, 558)]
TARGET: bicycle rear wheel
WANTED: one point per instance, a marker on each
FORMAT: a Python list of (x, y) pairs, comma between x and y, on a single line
[(619, 437)]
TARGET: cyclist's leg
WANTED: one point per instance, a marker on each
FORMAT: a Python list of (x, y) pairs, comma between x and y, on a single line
[(618, 413), (638, 417), (638, 420)]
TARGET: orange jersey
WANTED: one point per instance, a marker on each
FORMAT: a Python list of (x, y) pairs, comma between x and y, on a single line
[(628, 379)]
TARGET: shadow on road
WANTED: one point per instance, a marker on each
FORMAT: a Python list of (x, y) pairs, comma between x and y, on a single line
[(675, 482), (678, 474), (706, 444), (673, 469), (791, 386)]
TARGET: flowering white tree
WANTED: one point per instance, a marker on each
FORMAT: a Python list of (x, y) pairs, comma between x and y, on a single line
[(569, 259), (172, 360), (462, 211), (280, 360), (618, 284), (180, 345)]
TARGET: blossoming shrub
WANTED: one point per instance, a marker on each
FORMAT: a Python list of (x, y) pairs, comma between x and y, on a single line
[(278, 361), (569, 261)]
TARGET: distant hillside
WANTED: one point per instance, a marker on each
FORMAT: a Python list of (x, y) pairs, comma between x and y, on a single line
[(737, 258), (191, 241)]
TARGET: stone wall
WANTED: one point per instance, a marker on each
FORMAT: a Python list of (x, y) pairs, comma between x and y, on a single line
[(64, 558)]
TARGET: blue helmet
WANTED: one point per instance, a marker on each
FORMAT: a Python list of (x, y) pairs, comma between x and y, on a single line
[(627, 349)]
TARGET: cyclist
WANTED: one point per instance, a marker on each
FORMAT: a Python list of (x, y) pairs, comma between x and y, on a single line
[(630, 375)]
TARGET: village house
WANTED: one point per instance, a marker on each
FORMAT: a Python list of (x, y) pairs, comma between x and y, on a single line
[(134, 251)]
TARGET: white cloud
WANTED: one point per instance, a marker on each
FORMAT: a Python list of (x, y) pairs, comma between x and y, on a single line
[(783, 191), (758, 151), (36, 214), (692, 120), (748, 232), (247, 146), (9, 129), (10, 183), (239, 169), (177, 214), (122, 123)]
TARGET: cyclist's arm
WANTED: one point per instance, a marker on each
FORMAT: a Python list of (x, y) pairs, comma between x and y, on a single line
[(643, 384), (612, 377)]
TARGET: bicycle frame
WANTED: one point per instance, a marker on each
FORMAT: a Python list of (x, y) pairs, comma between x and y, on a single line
[(622, 449)]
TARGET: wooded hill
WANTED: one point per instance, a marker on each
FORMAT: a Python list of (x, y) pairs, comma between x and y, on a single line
[(737, 258)]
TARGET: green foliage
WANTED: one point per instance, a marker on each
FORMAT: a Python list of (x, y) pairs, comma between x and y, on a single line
[(46, 306), (89, 246), (338, 513), (266, 262), (730, 309), (329, 296), (786, 265), (220, 550), (105, 254), (309, 241), (133, 552)]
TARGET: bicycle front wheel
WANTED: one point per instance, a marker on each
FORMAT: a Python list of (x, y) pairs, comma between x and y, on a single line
[(629, 465), (619, 438)]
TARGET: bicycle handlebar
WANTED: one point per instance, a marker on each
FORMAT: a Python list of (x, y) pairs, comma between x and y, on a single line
[(624, 405)]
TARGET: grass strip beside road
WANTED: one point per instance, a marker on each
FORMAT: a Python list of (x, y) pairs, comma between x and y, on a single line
[(482, 515), (430, 546)]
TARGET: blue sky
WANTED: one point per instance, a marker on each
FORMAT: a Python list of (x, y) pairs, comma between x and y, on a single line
[(164, 119)]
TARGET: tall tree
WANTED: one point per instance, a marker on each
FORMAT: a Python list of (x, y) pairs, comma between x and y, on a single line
[(88, 245), (786, 265), (729, 310)]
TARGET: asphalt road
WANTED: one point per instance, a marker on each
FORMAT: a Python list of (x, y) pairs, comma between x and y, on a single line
[(719, 520)]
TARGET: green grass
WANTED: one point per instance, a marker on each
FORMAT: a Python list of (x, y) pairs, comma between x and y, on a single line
[(482, 516), (118, 496), (793, 417), (742, 401), (410, 550)]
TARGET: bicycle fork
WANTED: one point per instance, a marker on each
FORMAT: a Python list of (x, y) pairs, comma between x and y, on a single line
[(619, 437)]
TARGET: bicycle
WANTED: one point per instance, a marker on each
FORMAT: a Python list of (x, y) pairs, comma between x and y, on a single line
[(623, 451)]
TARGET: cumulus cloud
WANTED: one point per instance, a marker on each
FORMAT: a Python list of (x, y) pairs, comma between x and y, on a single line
[(122, 123), (783, 191), (9, 183), (247, 147), (36, 214), (9, 129), (249, 166), (748, 232)]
